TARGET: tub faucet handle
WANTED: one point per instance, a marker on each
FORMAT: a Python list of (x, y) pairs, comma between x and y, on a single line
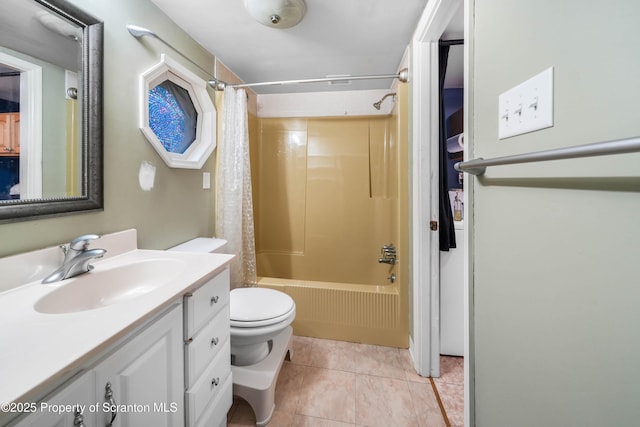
[(388, 251)]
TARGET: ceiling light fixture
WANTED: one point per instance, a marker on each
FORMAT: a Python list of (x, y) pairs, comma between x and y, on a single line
[(276, 13)]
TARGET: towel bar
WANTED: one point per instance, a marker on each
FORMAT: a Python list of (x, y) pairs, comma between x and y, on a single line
[(618, 146)]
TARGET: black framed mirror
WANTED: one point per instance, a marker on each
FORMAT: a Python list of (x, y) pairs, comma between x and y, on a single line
[(51, 148)]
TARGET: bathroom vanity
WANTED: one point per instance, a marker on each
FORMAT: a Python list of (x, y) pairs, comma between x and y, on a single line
[(146, 344)]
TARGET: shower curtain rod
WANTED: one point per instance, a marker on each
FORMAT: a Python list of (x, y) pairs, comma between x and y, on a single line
[(138, 32), (403, 76), (217, 84), (604, 148)]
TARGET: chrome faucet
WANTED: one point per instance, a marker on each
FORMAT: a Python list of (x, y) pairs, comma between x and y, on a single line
[(389, 255), (76, 259)]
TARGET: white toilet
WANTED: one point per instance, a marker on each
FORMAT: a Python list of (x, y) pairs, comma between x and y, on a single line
[(260, 336), (257, 316)]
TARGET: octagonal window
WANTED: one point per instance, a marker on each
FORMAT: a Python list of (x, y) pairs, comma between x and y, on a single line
[(177, 115), (172, 116)]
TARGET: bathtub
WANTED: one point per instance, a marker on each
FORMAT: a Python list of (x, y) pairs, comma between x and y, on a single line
[(344, 311)]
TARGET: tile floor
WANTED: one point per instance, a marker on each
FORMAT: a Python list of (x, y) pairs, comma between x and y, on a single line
[(450, 387), (339, 384)]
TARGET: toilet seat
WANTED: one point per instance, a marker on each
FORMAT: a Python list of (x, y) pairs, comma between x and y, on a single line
[(256, 307)]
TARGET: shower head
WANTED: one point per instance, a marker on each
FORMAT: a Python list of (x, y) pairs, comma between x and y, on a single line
[(138, 32), (378, 104)]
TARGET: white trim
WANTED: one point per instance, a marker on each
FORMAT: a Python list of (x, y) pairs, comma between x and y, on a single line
[(425, 125), (30, 125), (433, 22), (198, 153), (469, 355)]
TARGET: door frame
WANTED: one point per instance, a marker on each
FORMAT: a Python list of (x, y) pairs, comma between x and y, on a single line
[(30, 125), (425, 342), (425, 262)]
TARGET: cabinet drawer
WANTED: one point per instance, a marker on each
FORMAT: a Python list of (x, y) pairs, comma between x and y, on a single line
[(206, 388), (206, 344), (205, 302), (216, 413)]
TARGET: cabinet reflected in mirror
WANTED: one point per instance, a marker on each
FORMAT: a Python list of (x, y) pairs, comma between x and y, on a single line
[(50, 109)]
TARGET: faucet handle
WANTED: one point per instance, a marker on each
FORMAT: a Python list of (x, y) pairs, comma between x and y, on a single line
[(81, 243)]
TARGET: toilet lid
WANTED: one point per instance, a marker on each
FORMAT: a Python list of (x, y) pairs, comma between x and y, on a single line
[(258, 304)]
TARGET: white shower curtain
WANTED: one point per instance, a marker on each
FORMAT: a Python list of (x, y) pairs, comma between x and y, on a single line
[(234, 206)]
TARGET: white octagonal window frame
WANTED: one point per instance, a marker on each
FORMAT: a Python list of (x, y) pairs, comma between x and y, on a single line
[(205, 142)]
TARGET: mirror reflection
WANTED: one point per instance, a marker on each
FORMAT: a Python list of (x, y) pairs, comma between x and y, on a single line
[(38, 83), (50, 109)]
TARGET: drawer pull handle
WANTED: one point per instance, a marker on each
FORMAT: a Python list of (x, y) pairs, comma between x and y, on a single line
[(214, 341), (215, 382), (78, 419), (214, 300), (114, 409)]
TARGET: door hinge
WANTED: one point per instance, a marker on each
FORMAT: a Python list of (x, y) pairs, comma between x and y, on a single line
[(433, 225)]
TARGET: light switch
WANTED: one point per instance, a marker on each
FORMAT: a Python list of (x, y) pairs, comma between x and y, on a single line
[(206, 180), (527, 107)]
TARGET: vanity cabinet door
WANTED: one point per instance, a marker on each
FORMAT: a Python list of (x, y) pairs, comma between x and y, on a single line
[(141, 384), (58, 409)]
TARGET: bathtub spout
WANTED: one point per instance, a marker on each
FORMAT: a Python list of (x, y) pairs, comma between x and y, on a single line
[(387, 261)]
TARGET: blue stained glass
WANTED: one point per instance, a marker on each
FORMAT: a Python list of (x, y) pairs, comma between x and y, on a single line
[(173, 120)]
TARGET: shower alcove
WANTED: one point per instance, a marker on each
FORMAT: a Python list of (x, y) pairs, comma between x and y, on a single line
[(328, 194)]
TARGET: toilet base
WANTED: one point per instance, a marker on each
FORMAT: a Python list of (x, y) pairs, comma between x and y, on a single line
[(249, 354), (257, 383)]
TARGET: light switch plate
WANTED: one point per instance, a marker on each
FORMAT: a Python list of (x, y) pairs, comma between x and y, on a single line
[(206, 180), (527, 107)]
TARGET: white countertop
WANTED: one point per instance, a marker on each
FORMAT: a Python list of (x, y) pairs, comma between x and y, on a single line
[(38, 350)]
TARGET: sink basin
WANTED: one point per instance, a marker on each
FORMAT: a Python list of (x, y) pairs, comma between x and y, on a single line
[(104, 286)]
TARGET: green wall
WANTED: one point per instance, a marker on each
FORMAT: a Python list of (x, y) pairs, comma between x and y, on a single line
[(556, 245), (177, 208)]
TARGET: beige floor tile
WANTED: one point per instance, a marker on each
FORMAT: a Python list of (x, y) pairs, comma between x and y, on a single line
[(282, 419), (303, 421), (409, 370), (288, 387), (450, 386), (242, 414), (383, 402), (338, 384), (451, 370), (426, 405), (328, 394), (332, 354), (302, 350), (379, 361), (452, 397)]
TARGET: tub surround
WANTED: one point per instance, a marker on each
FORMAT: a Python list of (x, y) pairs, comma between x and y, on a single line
[(48, 349), (329, 192)]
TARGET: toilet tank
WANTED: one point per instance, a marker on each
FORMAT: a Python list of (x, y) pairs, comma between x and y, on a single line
[(201, 245)]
